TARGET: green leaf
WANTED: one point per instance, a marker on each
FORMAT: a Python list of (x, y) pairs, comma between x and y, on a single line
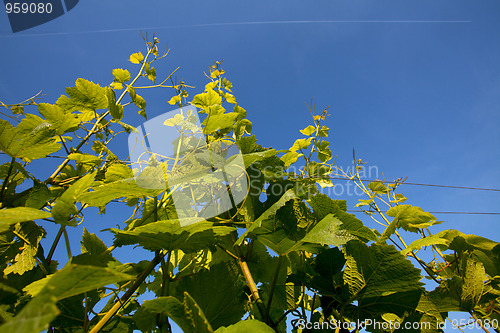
[(323, 205), (152, 75), (76, 279), (85, 96), (325, 155), (85, 159), (121, 75), (136, 58), (412, 218), (38, 197), (300, 144), (92, 244), (62, 122), (473, 286), (308, 130), (217, 122), (270, 212), (65, 204), (251, 158), (31, 139), (391, 229), (139, 102), (34, 317), (11, 216), (380, 278), (187, 314), (219, 293), (426, 241), (290, 158), (246, 326), (116, 110), (326, 232), (378, 187), (174, 100), (206, 99), (101, 195), (25, 261), (323, 131), (170, 235)]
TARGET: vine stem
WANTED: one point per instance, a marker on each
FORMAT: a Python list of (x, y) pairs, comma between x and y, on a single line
[(54, 244), (249, 279), (4, 185), (479, 322), (139, 280), (273, 287)]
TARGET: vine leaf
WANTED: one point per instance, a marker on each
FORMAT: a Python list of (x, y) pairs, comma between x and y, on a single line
[(186, 314), (121, 75), (127, 188), (25, 261), (65, 205), (85, 96), (412, 218), (170, 235), (11, 216), (75, 279), (323, 205), (34, 317), (328, 231), (71, 280), (62, 122), (31, 139), (219, 293), (271, 211), (246, 326), (380, 278)]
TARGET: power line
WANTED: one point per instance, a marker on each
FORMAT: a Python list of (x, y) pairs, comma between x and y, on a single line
[(424, 184)]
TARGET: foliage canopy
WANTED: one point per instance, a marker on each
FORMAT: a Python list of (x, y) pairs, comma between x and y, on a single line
[(284, 255)]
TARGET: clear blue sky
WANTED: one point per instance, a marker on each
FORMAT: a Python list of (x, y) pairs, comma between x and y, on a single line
[(414, 86)]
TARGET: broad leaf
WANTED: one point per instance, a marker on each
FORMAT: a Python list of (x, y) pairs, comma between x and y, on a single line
[(206, 99), (62, 122), (411, 218), (380, 278), (246, 326), (323, 205), (121, 75), (65, 205), (76, 279), (170, 235), (217, 122), (128, 188), (85, 96), (31, 139), (270, 212), (11, 216), (34, 317), (219, 293)]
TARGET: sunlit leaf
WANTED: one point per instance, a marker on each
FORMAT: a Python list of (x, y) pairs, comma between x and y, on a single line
[(85, 96), (11, 216), (121, 75), (136, 58)]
